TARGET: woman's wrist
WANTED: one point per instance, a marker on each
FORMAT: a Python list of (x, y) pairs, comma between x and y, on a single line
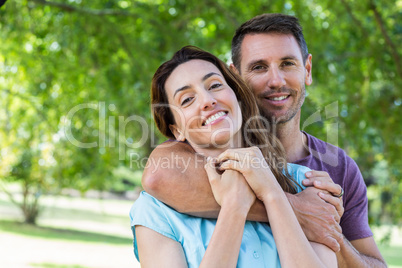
[(273, 196), (235, 207)]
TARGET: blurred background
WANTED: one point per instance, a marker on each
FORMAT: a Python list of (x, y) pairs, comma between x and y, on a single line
[(76, 128)]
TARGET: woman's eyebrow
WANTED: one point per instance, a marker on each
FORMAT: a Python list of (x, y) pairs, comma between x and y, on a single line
[(203, 79), (180, 89), (209, 75)]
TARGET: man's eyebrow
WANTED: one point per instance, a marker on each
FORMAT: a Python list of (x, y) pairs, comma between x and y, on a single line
[(256, 62), (289, 57), (203, 79)]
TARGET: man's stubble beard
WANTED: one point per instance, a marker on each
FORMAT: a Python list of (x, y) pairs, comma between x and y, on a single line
[(290, 114)]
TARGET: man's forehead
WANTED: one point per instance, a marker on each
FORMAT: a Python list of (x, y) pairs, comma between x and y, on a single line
[(266, 46)]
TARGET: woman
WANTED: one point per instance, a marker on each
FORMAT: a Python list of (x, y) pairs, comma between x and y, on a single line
[(198, 100)]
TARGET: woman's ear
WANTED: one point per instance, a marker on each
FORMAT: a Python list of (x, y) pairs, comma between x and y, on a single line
[(177, 133)]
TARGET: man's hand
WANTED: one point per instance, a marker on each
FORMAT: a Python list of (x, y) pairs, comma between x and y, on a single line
[(318, 219), (322, 180)]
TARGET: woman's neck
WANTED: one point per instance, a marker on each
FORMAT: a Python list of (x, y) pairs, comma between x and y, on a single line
[(216, 150)]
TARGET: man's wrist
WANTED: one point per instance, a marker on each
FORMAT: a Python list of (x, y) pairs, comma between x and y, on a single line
[(344, 243), (291, 198)]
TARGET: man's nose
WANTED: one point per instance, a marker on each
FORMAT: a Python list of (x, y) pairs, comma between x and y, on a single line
[(275, 78)]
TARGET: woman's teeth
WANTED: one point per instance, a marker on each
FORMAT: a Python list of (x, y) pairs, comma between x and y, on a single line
[(213, 118)]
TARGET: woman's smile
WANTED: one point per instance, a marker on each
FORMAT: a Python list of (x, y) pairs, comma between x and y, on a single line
[(215, 118), (206, 109)]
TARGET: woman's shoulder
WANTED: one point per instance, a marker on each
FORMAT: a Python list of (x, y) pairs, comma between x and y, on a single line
[(148, 209), (152, 213), (147, 206), (145, 200)]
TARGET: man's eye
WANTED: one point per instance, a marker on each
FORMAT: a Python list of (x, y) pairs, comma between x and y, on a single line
[(288, 63), (258, 67), (216, 85), (186, 100)]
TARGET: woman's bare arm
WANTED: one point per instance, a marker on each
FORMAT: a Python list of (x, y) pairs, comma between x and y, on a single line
[(156, 250)]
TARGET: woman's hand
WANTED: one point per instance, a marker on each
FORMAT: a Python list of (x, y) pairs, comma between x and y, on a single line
[(251, 163), (229, 187)]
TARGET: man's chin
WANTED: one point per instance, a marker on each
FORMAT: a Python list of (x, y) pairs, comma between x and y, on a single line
[(279, 119)]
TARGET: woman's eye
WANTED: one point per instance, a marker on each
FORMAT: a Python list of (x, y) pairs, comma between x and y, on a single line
[(186, 100), (216, 85)]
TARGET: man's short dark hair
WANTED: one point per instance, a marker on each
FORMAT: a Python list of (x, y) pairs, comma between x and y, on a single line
[(268, 23)]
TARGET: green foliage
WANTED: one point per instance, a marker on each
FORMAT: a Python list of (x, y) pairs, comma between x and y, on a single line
[(125, 178), (57, 55)]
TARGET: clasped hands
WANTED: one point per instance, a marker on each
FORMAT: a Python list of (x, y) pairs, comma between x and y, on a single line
[(243, 175)]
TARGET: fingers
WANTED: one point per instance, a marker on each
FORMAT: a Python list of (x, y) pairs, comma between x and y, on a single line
[(232, 165), (332, 243), (331, 236), (211, 170), (323, 183), (331, 187), (335, 201), (314, 175), (230, 155), (337, 238), (318, 174), (242, 154)]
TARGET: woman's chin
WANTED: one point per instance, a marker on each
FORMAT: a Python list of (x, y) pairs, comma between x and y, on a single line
[(219, 140), (218, 143)]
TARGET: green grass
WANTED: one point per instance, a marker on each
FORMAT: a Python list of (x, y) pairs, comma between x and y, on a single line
[(71, 232), (392, 255), (60, 234), (104, 225), (55, 265)]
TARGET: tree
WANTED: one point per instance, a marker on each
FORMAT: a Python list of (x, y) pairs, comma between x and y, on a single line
[(76, 78)]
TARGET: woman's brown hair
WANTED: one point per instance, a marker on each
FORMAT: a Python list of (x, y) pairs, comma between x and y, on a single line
[(254, 128)]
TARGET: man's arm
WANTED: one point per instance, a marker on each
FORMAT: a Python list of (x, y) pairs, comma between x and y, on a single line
[(175, 175), (356, 253), (318, 219), (360, 253)]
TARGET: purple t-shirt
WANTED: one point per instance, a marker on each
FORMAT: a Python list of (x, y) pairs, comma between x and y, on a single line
[(344, 171)]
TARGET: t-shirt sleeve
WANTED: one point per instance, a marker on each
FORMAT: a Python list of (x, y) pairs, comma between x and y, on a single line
[(147, 211), (354, 221)]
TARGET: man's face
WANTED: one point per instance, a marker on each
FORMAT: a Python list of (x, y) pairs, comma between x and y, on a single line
[(272, 65)]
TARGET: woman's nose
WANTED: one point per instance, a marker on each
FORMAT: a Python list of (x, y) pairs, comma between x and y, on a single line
[(208, 101)]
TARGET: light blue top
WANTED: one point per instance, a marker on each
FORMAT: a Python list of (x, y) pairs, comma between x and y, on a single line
[(257, 249)]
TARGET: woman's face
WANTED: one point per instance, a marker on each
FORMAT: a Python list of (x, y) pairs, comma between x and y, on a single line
[(205, 108)]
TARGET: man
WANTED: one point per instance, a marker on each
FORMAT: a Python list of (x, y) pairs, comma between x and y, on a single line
[(270, 54)]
